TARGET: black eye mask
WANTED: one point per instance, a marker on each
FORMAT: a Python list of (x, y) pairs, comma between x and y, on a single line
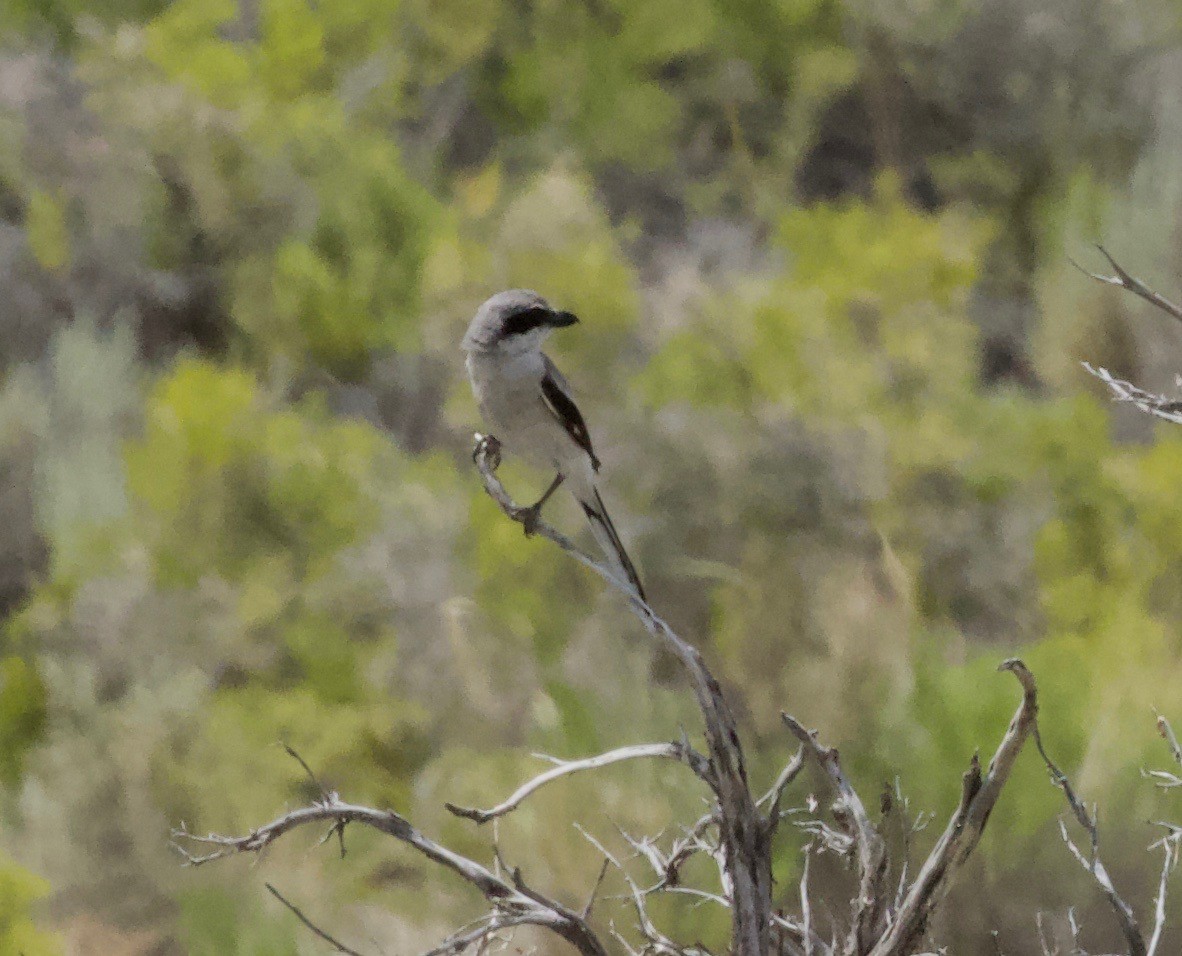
[(527, 320)]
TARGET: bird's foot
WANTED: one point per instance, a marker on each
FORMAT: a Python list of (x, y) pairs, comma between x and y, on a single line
[(530, 518), (488, 451)]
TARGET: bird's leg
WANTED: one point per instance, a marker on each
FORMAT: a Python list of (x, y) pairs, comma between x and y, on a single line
[(529, 517)]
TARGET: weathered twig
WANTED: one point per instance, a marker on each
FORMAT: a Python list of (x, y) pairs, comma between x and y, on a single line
[(1123, 280), (521, 904), (1170, 853), (335, 943), (669, 870), (680, 752), (1168, 735), (482, 933), (978, 797), (656, 942), (1092, 862), (1170, 844), (1122, 391), (742, 833), (773, 798), (806, 907), (867, 841)]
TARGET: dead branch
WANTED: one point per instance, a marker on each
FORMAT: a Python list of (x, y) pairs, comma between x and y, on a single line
[(680, 752), (335, 943), (656, 942), (668, 869), (744, 854), (1169, 862), (867, 842), (889, 915), (742, 832), (1167, 733), (515, 902), (1092, 862), (775, 795), (1159, 406), (1121, 279), (1170, 844), (978, 797)]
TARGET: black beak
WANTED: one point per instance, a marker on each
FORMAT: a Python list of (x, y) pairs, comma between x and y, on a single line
[(562, 319)]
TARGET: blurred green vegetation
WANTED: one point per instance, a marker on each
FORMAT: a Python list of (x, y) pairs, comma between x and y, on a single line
[(829, 353)]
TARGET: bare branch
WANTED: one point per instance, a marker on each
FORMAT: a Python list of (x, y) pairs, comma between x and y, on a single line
[(1042, 936), (521, 903), (806, 910), (960, 837), (337, 829), (1092, 863), (1157, 405), (336, 944), (775, 795), (1121, 279), (595, 889), (670, 751), (483, 932), (1170, 851), (307, 770), (742, 831), (868, 842), (1167, 732), (1163, 778), (685, 847), (656, 941)]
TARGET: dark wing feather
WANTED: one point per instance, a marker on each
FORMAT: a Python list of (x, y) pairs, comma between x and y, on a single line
[(563, 408)]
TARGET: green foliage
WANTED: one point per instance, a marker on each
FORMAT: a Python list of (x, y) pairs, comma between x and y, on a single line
[(19, 890), (215, 921), (344, 282), (351, 287), (514, 585), (22, 715), (45, 227), (868, 323), (369, 745), (219, 480), (58, 20)]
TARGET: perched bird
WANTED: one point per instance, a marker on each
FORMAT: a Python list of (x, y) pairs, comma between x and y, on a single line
[(527, 403)]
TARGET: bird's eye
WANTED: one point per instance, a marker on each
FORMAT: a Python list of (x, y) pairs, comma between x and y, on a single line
[(526, 320)]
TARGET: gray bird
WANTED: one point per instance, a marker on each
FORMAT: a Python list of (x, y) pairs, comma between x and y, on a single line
[(527, 403)]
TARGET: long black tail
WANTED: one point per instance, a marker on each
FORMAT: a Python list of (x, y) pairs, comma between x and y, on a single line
[(609, 540)]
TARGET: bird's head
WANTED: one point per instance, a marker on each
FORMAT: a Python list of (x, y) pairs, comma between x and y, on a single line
[(514, 321)]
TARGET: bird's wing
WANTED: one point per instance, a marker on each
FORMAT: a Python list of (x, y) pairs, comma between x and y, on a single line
[(557, 399)]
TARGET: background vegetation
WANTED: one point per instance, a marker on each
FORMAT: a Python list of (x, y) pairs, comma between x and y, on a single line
[(830, 351)]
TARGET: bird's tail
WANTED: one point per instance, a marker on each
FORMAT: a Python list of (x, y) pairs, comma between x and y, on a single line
[(609, 540)]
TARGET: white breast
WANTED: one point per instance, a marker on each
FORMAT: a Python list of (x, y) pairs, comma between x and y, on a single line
[(508, 391)]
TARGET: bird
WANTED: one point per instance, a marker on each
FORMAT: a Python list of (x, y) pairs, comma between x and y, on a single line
[(528, 404)]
